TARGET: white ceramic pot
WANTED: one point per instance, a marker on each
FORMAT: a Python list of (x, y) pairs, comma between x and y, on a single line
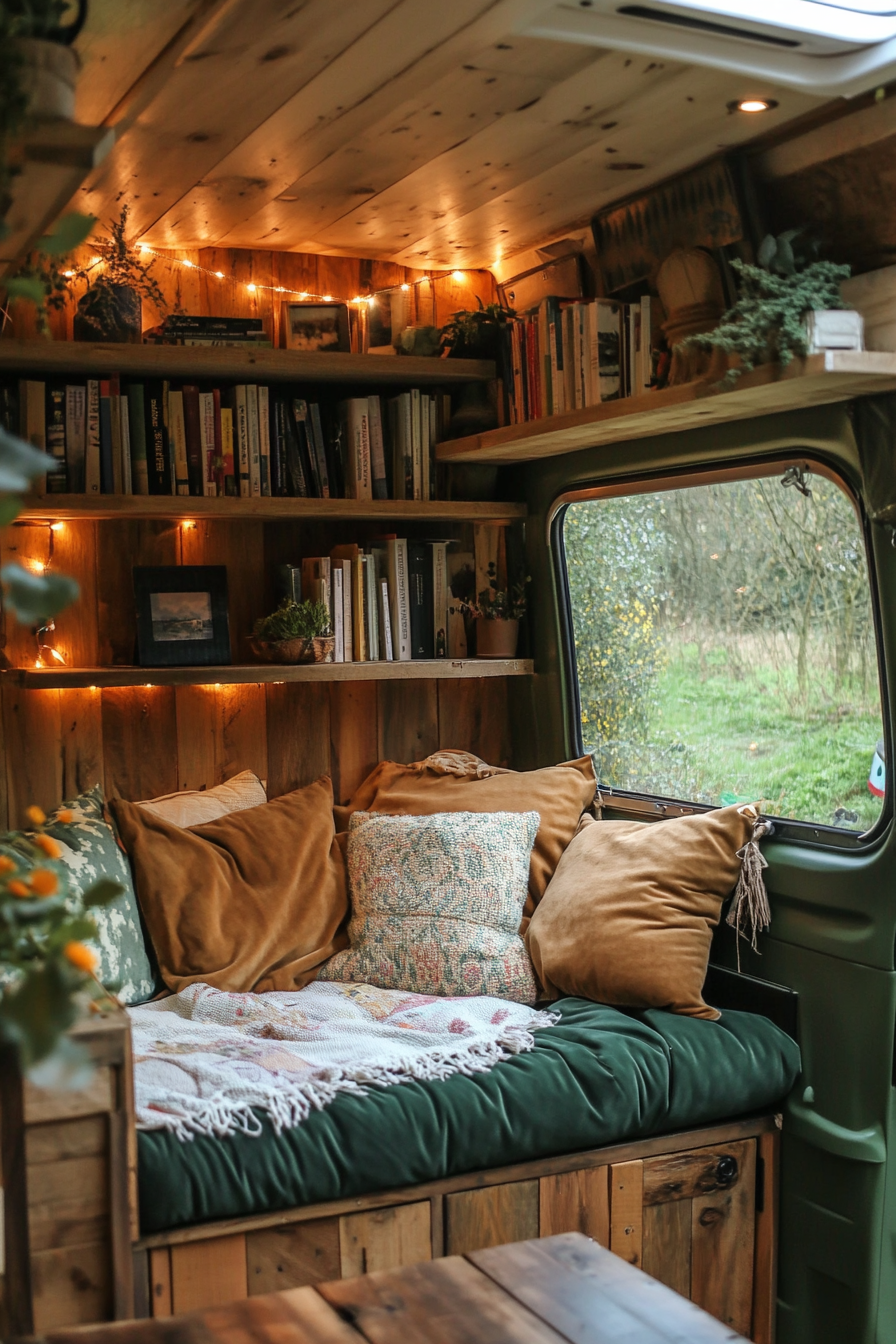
[(49, 75)]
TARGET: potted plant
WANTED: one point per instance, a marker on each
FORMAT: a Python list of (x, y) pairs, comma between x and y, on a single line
[(497, 613), (768, 322), (297, 632), (111, 308), (38, 69)]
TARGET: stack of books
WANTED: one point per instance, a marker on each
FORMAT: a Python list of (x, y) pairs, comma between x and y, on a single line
[(569, 354), (165, 438), (183, 329)]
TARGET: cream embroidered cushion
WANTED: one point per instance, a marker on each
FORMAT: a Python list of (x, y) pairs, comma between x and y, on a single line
[(194, 807), (436, 904)]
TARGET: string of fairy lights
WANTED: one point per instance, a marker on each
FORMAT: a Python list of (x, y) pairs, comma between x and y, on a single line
[(303, 295)]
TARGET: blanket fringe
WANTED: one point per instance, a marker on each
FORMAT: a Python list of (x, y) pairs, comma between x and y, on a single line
[(232, 1110)]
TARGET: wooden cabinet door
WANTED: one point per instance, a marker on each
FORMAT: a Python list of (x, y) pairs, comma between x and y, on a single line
[(689, 1219)]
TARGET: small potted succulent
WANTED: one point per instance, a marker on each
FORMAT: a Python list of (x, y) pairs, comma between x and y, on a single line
[(297, 632), (111, 307), (497, 613)]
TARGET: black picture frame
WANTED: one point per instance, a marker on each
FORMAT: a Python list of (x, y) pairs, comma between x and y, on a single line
[(172, 630), (316, 327)]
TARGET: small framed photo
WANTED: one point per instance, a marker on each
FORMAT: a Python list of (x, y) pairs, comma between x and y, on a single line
[(316, 326), (182, 615)]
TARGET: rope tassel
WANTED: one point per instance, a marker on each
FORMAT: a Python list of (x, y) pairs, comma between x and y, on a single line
[(750, 912)]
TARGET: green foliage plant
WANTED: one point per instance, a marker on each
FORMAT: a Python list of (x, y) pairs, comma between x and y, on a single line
[(476, 332), (768, 322), (44, 277), (294, 620), (48, 971), (122, 266), (499, 604)]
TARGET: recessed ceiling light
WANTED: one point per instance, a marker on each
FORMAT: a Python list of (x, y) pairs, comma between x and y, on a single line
[(752, 105)]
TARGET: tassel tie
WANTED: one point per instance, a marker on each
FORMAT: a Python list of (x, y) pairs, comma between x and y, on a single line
[(750, 912)]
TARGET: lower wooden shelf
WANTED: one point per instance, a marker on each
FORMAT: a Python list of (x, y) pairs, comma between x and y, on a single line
[(420, 669)]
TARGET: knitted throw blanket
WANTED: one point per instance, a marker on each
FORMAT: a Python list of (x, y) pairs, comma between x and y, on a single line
[(203, 1059)]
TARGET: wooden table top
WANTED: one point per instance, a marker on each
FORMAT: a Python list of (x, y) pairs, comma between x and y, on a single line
[(558, 1290)]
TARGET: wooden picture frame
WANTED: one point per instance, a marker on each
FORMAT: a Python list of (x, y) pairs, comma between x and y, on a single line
[(318, 327), (182, 616)]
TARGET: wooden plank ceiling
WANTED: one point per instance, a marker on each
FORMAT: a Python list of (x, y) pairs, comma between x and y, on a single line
[(427, 134)]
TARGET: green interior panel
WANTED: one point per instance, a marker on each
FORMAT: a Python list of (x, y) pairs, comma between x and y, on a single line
[(833, 909)]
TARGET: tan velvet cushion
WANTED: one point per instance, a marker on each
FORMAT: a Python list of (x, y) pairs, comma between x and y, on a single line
[(559, 794), (252, 901), (629, 913)]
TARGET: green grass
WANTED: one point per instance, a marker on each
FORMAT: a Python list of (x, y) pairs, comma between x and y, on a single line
[(717, 737)]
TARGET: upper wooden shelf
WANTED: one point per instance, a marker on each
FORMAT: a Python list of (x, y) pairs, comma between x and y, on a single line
[(58, 507), (837, 375), (187, 362), (418, 669), (53, 159)]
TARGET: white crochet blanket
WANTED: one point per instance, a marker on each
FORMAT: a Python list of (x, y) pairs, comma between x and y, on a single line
[(204, 1058)]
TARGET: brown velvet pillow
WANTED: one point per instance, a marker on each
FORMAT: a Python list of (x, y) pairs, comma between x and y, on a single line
[(629, 913), (559, 794), (252, 901)]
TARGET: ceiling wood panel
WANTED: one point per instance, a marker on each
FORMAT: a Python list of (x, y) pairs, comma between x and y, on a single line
[(429, 135)]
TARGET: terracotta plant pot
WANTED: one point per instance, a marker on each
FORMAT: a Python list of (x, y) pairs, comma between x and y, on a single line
[(319, 650), (496, 639)]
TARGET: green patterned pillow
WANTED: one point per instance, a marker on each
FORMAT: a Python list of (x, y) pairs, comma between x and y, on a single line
[(90, 850), (436, 904)]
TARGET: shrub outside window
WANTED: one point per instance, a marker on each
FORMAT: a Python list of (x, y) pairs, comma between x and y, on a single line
[(725, 649)]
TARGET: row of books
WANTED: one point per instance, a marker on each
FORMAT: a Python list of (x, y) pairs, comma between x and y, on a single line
[(389, 602), (568, 354), (158, 438), (185, 329)]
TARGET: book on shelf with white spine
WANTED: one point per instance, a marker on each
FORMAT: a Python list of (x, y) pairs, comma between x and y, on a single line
[(254, 440), (371, 609), (92, 445), (379, 483), (75, 436), (178, 442), (241, 430), (348, 615), (440, 597), (338, 613), (207, 442), (400, 598), (264, 438), (388, 650)]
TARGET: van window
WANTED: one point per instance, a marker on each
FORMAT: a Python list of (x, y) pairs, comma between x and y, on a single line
[(725, 649)]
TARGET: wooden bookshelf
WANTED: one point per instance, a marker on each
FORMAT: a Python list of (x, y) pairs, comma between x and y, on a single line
[(53, 508), (51, 359), (418, 669), (53, 159), (819, 380)]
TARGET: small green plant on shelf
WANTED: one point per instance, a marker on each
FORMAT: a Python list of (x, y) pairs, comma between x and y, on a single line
[(499, 604), (44, 277), (111, 307), (48, 971), (477, 333), (294, 620)]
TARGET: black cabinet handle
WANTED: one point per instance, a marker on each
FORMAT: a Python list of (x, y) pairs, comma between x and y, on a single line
[(726, 1171)]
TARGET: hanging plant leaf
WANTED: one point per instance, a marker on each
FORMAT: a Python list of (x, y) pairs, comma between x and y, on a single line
[(20, 463), (25, 287), (35, 597), (70, 232)]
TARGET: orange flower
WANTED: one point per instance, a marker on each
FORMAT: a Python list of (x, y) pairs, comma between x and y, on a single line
[(65, 816), (17, 888), (6, 864), (80, 956), (48, 845), (36, 816), (43, 882)]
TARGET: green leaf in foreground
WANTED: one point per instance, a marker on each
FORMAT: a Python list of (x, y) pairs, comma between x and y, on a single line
[(70, 231), (35, 597)]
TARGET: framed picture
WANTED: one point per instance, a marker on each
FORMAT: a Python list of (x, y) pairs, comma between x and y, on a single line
[(182, 615), (316, 326)]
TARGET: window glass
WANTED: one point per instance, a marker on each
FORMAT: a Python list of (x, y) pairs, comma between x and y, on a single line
[(725, 648)]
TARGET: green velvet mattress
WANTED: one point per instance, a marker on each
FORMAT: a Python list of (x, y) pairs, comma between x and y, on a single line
[(600, 1076)]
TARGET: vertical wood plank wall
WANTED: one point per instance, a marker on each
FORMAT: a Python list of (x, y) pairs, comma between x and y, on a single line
[(143, 741)]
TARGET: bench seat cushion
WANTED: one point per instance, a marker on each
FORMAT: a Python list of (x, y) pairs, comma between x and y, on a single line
[(601, 1076)]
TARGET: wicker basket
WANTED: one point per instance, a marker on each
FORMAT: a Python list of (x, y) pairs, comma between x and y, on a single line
[(319, 650)]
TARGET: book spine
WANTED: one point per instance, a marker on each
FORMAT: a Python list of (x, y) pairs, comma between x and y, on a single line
[(177, 438), (92, 480), (371, 607), (156, 446), (75, 436), (254, 440), (646, 345), (218, 451), (115, 429), (127, 479), (440, 598), (609, 351), (137, 428), (242, 439), (386, 614), (338, 613), (307, 455), (264, 439), (228, 477), (348, 615), (57, 476), (106, 476), (377, 449), (432, 439), (359, 631), (420, 590), (207, 443), (416, 446), (196, 460), (407, 434), (320, 449)]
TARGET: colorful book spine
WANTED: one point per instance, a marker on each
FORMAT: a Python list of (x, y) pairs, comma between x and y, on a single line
[(440, 598), (207, 443), (254, 440), (157, 448), (92, 478), (106, 472), (75, 436), (57, 475), (241, 430), (177, 438), (379, 483), (228, 472), (195, 449)]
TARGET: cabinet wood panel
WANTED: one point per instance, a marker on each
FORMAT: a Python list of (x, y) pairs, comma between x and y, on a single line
[(291, 1257), (208, 1273), (494, 1216), (385, 1239), (576, 1201)]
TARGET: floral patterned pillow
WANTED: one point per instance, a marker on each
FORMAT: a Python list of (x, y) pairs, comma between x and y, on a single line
[(90, 850), (436, 904)]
